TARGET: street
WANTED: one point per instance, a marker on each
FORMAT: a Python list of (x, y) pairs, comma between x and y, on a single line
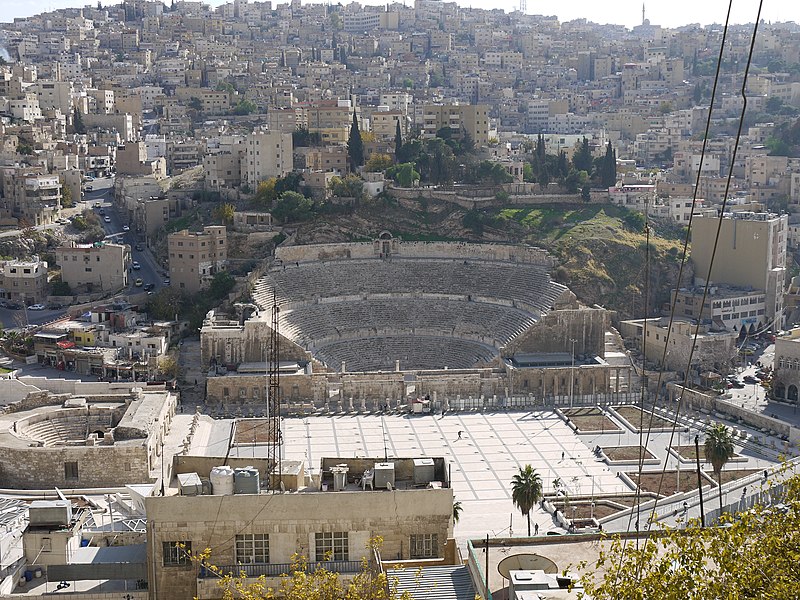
[(100, 196)]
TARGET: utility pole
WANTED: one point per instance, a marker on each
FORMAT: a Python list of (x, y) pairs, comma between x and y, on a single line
[(699, 480)]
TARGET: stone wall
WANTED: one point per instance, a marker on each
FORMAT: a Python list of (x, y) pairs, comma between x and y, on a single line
[(376, 386), (697, 400), (444, 250), (291, 521), (373, 389), (555, 330), (246, 343), (100, 466)]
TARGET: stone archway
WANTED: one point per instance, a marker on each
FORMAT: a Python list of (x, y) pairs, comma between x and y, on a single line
[(780, 390), (792, 395)]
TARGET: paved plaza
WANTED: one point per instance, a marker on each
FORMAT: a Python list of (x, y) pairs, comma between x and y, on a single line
[(491, 449)]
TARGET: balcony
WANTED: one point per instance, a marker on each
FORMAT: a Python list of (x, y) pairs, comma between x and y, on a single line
[(278, 569)]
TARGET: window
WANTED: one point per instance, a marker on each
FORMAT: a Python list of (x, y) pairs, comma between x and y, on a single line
[(425, 545), (71, 470), (333, 543), (252, 548), (176, 553)]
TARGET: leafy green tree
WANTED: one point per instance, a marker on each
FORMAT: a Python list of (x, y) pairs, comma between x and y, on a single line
[(355, 145), (66, 195), (378, 162), (244, 107), (526, 491), (351, 186), (773, 105), (403, 174), (753, 556), (221, 284), (224, 212), (719, 450), (303, 583), (60, 288), (168, 366), (165, 303), (266, 193), (292, 206), (195, 104), (302, 137)]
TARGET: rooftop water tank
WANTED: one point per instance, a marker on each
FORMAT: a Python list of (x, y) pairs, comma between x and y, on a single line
[(423, 471), (246, 481), (384, 474), (222, 481)]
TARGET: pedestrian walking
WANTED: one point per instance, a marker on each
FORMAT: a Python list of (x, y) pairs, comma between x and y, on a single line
[(536, 529), (562, 455), (459, 434)]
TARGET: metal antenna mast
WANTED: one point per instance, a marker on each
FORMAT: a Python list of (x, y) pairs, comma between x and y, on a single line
[(275, 441)]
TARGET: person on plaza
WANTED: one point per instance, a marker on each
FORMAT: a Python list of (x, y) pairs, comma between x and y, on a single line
[(459, 434)]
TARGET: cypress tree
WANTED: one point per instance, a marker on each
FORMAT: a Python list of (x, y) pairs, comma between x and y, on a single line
[(398, 142), (355, 145)]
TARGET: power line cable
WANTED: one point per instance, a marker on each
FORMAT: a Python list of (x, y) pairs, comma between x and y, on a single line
[(707, 285)]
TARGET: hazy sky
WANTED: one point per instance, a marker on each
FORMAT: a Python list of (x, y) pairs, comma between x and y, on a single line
[(669, 13)]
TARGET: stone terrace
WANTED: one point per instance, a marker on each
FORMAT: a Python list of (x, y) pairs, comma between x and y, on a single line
[(413, 352), (317, 324), (522, 285)]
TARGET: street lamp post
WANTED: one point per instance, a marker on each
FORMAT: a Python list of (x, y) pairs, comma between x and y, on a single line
[(572, 374)]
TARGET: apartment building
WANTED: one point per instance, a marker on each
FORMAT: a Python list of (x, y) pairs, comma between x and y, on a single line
[(751, 252), (472, 118), (266, 154), (24, 281), (98, 267), (329, 522), (31, 197), (195, 257), (733, 308)]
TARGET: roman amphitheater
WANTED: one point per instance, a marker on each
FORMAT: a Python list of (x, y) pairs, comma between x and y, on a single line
[(383, 320)]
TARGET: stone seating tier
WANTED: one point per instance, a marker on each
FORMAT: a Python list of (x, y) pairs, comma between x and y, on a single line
[(413, 352), (527, 286), (314, 325)]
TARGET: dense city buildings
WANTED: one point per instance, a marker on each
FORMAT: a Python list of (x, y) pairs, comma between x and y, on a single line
[(286, 279)]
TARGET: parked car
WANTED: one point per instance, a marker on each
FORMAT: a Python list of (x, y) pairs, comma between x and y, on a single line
[(36, 307), (88, 188), (166, 281), (149, 287), (107, 219), (14, 305), (138, 282), (139, 247), (135, 265), (750, 379), (125, 228)]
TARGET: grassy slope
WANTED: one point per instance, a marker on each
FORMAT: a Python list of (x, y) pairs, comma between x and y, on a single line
[(605, 258)]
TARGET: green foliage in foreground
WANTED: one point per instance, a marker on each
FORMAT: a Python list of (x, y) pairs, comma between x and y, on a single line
[(752, 555)]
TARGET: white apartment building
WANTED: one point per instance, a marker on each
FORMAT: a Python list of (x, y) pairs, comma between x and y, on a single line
[(267, 154)]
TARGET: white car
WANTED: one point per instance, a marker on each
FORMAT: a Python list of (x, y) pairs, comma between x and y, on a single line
[(36, 307), (135, 265), (125, 228), (107, 219)]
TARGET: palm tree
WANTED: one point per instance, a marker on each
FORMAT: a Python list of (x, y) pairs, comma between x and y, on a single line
[(457, 510), (719, 450), (526, 491)]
